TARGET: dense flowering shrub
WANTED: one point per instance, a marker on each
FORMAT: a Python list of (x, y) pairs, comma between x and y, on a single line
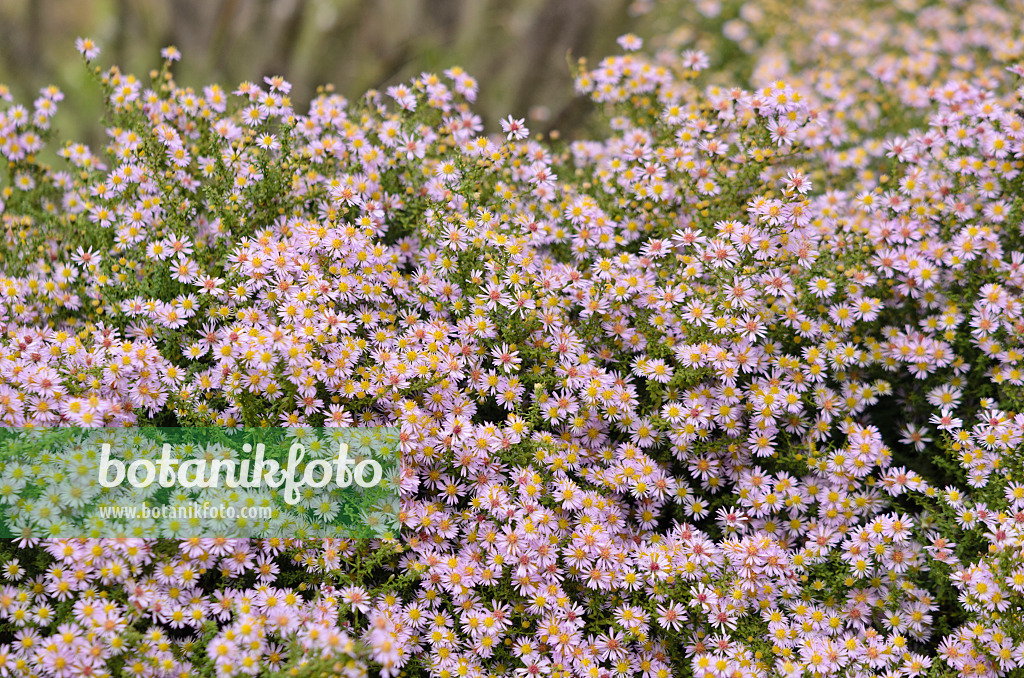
[(731, 390)]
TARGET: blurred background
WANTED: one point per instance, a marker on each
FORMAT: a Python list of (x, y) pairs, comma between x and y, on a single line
[(517, 49)]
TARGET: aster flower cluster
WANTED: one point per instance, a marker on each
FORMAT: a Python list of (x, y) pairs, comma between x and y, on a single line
[(731, 390)]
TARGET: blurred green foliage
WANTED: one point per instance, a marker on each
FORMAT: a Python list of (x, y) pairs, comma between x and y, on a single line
[(518, 49)]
